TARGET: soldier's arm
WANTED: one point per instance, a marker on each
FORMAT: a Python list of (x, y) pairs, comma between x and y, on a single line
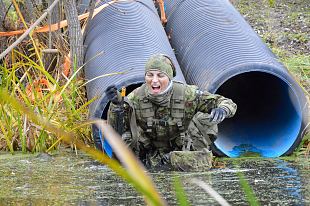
[(129, 102), (127, 113), (208, 101), (112, 116)]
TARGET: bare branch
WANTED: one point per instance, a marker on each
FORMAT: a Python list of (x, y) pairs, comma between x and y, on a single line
[(24, 35)]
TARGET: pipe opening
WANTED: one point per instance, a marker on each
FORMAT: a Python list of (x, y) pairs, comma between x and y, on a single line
[(268, 118)]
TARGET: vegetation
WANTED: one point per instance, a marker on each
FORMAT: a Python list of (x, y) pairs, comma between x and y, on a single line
[(43, 102), (247, 189), (134, 172), (42, 106), (42, 82), (62, 101)]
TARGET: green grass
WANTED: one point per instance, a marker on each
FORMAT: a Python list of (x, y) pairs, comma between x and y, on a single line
[(298, 64), (272, 3), (245, 185), (63, 102), (247, 189), (304, 147), (180, 192)]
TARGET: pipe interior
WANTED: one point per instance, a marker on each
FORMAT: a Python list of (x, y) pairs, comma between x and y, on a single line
[(268, 117)]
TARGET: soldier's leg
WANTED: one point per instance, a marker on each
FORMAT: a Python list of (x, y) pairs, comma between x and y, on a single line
[(202, 132), (145, 150), (140, 145), (195, 154)]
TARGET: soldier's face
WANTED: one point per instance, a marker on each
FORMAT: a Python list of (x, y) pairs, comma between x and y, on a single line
[(156, 81)]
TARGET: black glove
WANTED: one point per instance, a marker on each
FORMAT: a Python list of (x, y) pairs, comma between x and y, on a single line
[(111, 92), (217, 115)]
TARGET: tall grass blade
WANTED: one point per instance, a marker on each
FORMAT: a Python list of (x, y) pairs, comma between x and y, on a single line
[(246, 187), (180, 192), (21, 134)]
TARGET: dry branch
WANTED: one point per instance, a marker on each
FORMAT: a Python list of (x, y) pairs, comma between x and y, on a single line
[(24, 35)]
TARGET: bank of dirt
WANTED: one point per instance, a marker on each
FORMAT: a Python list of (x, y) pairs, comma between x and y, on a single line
[(282, 24)]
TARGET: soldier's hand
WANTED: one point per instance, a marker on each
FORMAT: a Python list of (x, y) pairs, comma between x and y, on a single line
[(111, 92), (217, 115)]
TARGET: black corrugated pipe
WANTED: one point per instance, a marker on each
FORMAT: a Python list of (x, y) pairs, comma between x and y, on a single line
[(128, 33), (219, 51)]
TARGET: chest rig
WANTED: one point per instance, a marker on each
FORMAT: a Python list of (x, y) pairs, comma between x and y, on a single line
[(176, 109)]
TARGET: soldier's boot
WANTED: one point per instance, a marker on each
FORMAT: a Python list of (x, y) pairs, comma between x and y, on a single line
[(163, 164), (191, 160)]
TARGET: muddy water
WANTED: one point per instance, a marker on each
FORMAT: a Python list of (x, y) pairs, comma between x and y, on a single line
[(69, 179)]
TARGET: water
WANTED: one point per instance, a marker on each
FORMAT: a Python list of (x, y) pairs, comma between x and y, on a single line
[(69, 179)]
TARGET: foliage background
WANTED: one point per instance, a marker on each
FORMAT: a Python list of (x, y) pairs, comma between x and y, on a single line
[(53, 88)]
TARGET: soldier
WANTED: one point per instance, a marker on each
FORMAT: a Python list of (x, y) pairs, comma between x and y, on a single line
[(167, 121)]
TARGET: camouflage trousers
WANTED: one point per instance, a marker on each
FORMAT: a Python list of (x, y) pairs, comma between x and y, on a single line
[(200, 134)]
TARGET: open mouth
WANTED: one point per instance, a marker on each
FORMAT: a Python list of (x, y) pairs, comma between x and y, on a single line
[(156, 89)]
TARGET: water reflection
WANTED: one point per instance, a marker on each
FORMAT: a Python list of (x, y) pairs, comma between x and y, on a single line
[(67, 179), (274, 182), (292, 181)]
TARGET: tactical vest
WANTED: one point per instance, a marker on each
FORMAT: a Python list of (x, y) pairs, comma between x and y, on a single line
[(176, 106)]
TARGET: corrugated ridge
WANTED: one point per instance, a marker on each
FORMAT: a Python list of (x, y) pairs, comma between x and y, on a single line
[(210, 38), (220, 52), (128, 33)]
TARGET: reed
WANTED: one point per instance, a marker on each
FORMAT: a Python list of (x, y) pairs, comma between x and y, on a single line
[(180, 192), (41, 109), (246, 187), (61, 100)]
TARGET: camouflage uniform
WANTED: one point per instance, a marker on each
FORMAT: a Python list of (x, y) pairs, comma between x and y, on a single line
[(178, 119), (181, 125)]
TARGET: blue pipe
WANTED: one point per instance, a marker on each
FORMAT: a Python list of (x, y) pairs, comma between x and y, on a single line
[(127, 33), (220, 52)]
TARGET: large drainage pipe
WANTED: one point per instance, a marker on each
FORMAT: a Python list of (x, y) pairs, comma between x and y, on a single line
[(126, 34), (218, 51)]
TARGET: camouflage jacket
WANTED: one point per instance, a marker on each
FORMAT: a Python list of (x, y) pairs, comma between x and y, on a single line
[(158, 125)]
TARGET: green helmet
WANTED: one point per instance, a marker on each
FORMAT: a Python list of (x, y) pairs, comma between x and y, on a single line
[(162, 63)]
